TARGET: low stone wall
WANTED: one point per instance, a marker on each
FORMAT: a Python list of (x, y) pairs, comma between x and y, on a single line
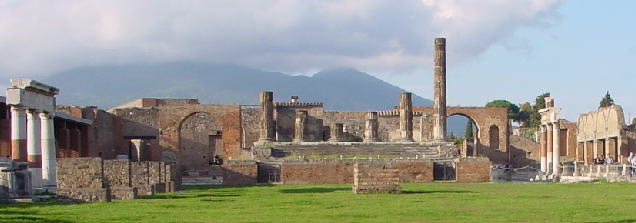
[(376, 177), (81, 179), (240, 172), (415, 170), (94, 179), (473, 169), (578, 171), (317, 172)]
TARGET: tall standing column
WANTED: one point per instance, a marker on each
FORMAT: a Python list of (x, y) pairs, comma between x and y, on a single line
[(266, 118), (371, 127), (48, 149), (337, 134), (543, 149), (556, 153), (549, 140), (439, 96), (406, 117), (34, 152), (299, 128), (18, 134)]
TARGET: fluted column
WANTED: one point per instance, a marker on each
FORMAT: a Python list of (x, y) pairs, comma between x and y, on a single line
[(34, 152), (299, 127), (266, 117), (371, 127), (18, 134), (543, 149), (47, 134), (556, 147), (406, 117), (439, 95), (549, 140)]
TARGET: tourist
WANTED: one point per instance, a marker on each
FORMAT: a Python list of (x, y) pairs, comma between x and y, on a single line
[(609, 160)]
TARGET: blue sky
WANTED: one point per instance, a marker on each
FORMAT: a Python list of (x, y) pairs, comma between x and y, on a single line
[(588, 50)]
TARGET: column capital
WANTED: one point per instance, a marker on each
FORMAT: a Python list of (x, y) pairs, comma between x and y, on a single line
[(45, 115), (18, 108)]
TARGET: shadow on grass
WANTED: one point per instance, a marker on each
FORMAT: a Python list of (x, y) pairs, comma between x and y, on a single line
[(207, 187), (314, 190), (436, 191), (23, 215), (173, 196)]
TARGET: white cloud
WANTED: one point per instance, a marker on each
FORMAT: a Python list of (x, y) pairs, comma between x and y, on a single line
[(40, 37)]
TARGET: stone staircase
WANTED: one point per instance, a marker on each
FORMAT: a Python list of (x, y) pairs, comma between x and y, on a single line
[(210, 176), (384, 150)]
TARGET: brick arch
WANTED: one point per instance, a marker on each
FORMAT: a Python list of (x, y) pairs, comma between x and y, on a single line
[(484, 118), (194, 133)]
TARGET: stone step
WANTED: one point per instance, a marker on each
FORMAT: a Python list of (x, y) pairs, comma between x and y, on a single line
[(201, 180)]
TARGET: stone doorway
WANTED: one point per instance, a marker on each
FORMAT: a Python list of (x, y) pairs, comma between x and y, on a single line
[(200, 139)]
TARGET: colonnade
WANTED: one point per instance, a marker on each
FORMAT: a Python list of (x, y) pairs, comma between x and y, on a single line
[(550, 147)]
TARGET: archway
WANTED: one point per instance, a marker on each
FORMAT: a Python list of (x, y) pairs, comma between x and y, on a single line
[(467, 137), (200, 139)]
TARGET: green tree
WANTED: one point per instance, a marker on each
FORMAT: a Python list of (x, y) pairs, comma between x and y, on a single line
[(539, 101), (606, 101), (633, 121), (468, 134), (525, 111), (513, 109)]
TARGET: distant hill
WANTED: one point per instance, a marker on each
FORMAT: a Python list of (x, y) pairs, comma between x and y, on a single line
[(340, 89)]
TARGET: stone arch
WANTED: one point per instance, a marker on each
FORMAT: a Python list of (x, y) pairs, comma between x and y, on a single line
[(484, 117), (199, 136), (472, 147)]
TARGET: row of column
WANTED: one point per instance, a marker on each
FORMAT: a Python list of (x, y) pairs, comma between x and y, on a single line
[(33, 141), (267, 126), (608, 147), (549, 141)]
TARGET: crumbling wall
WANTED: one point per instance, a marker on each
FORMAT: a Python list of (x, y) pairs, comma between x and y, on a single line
[(286, 118), (375, 177), (81, 179), (354, 123), (523, 151), (249, 125)]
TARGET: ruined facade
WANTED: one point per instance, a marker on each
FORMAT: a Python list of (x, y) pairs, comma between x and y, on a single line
[(603, 133)]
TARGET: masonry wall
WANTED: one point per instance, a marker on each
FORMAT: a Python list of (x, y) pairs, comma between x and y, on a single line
[(249, 125), (471, 170), (317, 172), (81, 179), (240, 172), (523, 151), (375, 177), (286, 118)]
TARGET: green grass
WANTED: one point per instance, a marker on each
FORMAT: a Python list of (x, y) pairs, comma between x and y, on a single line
[(427, 202)]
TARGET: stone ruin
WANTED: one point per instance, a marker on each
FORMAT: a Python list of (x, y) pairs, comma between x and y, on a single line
[(94, 179), (375, 177), (15, 179)]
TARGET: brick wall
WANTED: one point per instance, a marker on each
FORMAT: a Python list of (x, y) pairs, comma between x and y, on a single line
[(475, 169), (317, 172), (239, 172), (376, 177), (415, 170)]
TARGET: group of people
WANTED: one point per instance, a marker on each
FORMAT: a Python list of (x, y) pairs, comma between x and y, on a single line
[(603, 160)]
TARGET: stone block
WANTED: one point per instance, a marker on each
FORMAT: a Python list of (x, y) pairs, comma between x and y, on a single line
[(376, 177), (473, 169)]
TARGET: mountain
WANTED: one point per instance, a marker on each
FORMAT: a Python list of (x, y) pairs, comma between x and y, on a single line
[(340, 89)]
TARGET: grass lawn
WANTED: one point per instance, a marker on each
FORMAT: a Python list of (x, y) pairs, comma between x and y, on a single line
[(426, 202)]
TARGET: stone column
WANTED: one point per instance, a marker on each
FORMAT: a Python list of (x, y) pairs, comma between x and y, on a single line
[(543, 149), (266, 117), (556, 147), (337, 135), (371, 127), (585, 152), (299, 127), (439, 95), (18, 134), (48, 149), (34, 151), (549, 144), (406, 117)]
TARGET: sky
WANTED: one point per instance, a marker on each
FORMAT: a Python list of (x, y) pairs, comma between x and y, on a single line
[(497, 49)]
